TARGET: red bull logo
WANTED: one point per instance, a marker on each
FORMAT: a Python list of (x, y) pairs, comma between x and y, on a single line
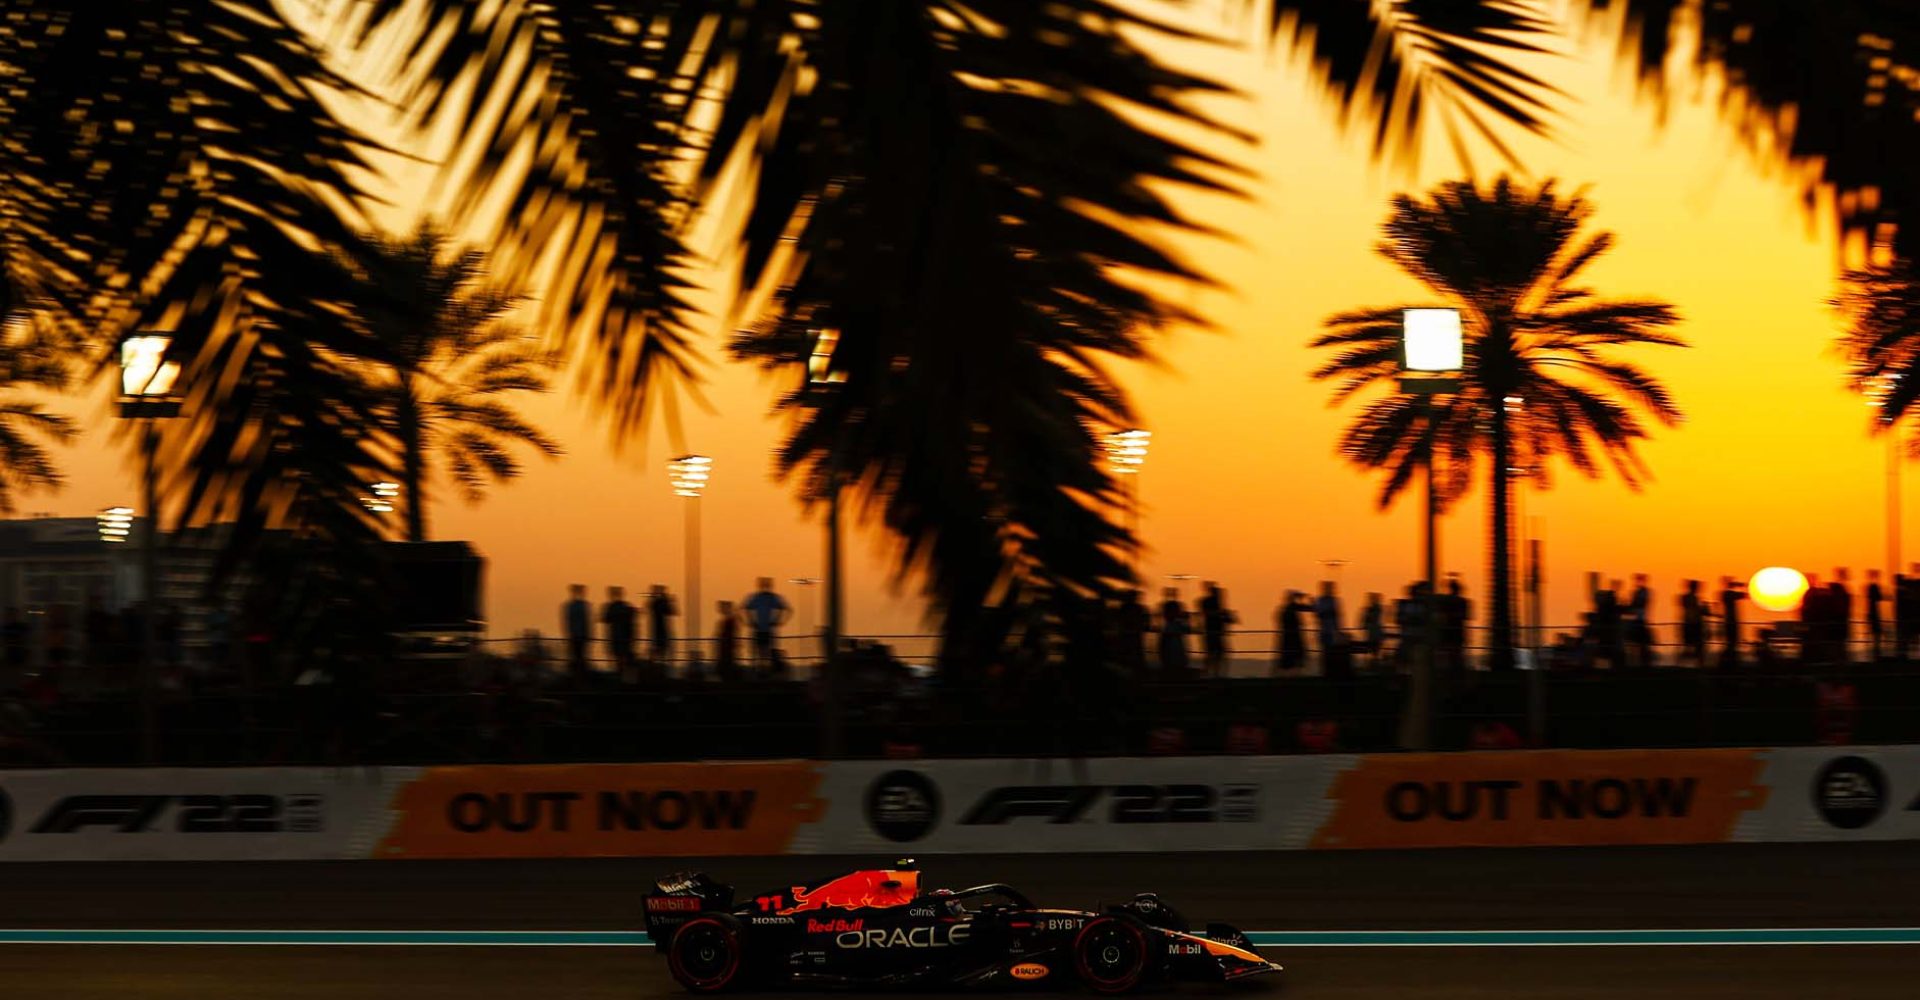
[(860, 889), (837, 925)]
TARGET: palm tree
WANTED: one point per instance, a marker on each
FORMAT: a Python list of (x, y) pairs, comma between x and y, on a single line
[(951, 188), (1539, 379), (1882, 340), (1830, 90), (172, 166), (29, 361), (449, 362)]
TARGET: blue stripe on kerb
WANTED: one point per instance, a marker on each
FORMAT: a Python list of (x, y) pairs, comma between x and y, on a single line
[(1717, 937)]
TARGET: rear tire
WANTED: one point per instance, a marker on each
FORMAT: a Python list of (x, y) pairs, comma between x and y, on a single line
[(707, 953), (1110, 954)]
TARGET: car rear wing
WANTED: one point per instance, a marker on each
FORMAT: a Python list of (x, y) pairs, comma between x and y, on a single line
[(680, 896)]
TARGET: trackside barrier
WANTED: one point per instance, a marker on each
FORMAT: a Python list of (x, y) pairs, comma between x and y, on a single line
[(210, 814), (956, 806)]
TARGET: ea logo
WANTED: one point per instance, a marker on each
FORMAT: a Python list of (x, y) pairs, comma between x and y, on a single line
[(1850, 792), (1029, 970), (902, 805)]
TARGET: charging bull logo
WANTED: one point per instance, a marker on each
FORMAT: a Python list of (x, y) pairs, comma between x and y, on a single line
[(860, 889)]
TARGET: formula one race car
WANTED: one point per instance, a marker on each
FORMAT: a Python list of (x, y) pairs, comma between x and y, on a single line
[(879, 928)]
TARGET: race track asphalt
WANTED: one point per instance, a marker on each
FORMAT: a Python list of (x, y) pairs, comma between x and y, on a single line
[(1857, 885)]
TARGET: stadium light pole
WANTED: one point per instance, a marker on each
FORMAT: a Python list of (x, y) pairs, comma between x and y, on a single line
[(1433, 353), (689, 475), (381, 500), (1127, 458), (1877, 389), (822, 378), (147, 393)]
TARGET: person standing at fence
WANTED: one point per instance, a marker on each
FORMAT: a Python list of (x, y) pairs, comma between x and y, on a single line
[(726, 642), (1813, 621), (620, 620), (661, 611), (1638, 621), (1840, 608), (766, 612), (1693, 626), (1410, 616), (1875, 595), (576, 623), (1214, 621), (1607, 632), (1455, 612), (1373, 629), (1175, 624), (1290, 622), (1326, 615), (1731, 594)]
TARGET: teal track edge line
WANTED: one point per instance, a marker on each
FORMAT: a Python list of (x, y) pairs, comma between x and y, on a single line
[(1575, 938), (1716, 937), (550, 939)]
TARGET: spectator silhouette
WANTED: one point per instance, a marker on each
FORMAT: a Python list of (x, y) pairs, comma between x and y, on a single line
[(1607, 633), (661, 610), (1373, 628), (1333, 641), (1874, 599), (1906, 612), (1455, 612), (1174, 627), (1410, 617), (1291, 617), (1214, 620), (726, 642), (1732, 592), (1638, 623), (1693, 626), (765, 611), (1815, 610), (620, 620), (1840, 616), (576, 622)]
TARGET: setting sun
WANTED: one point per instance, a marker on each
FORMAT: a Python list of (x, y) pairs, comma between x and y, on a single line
[(1778, 588)]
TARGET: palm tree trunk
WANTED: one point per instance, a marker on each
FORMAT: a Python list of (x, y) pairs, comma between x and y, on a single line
[(411, 464), (1500, 643)]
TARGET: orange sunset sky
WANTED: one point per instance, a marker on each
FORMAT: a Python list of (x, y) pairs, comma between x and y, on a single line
[(1773, 465)]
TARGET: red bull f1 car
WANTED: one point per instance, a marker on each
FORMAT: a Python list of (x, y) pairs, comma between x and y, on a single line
[(880, 928)]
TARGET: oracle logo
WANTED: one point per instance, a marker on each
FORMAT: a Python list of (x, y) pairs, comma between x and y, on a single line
[(1029, 970)]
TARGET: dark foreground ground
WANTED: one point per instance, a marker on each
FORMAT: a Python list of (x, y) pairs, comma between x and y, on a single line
[(1707, 887)]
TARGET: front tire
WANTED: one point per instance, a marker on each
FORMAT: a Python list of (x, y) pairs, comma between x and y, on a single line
[(1110, 953), (707, 953)]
